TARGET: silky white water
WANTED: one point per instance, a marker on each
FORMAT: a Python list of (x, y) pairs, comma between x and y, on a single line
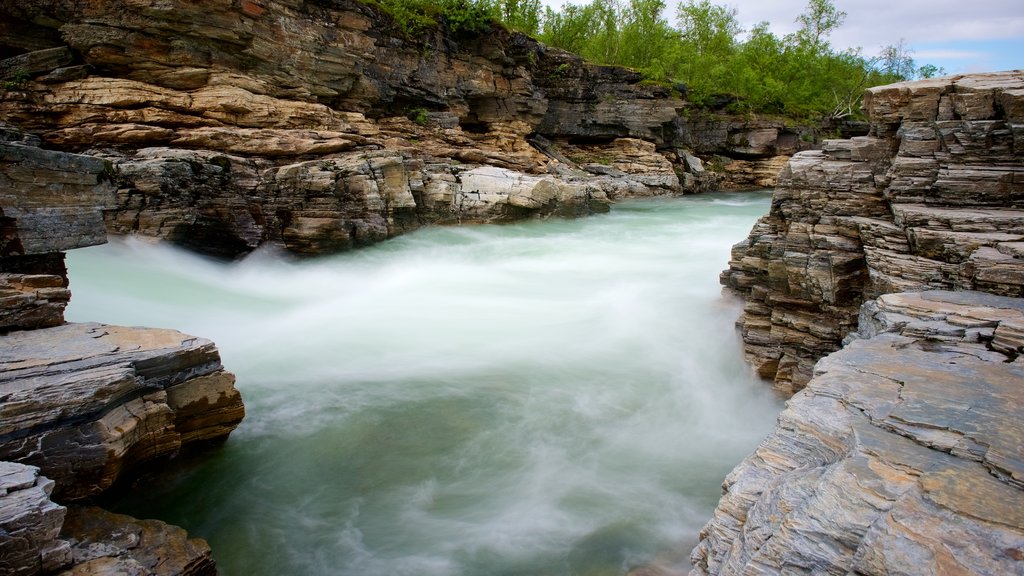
[(554, 397)]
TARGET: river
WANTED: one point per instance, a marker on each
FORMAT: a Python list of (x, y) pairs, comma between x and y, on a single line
[(558, 397)]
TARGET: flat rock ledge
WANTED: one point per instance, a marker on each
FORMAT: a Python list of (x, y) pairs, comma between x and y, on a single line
[(903, 455), (84, 402)]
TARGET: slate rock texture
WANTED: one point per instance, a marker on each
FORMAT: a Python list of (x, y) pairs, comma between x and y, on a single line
[(903, 455), (29, 523), (200, 107), (84, 402), (49, 202)]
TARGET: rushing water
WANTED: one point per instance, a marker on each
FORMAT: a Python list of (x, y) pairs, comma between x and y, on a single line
[(557, 397)]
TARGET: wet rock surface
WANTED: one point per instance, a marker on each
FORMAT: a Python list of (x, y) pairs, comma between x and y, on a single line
[(104, 543), (903, 455)]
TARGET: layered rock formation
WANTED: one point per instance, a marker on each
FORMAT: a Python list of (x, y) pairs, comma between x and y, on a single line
[(29, 523), (903, 455), (317, 126), (933, 198), (83, 403)]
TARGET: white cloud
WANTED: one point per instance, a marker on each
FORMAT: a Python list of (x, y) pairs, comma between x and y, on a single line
[(872, 24)]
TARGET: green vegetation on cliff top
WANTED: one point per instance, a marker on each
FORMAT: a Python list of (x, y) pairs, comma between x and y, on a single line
[(799, 75)]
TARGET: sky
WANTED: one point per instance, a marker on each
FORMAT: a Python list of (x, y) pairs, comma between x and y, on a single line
[(957, 35)]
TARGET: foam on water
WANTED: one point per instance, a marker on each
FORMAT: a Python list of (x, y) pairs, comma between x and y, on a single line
[(556, 397)]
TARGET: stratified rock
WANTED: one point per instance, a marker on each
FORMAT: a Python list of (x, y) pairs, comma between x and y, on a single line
[(199, 106), (84, 402), (903, 455), (29, 523), (49, 202), (104, 543), (933, 198)]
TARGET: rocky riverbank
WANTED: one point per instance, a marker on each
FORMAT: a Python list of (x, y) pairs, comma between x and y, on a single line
[(904, 453), (317, 126), (81, 404), (931, 199)]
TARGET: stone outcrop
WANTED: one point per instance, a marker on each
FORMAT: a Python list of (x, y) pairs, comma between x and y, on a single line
[(83, 403), (932, 198), (213, 117), (103, 543), (903, 455), (314, 125), (49, 202), (29, 523)]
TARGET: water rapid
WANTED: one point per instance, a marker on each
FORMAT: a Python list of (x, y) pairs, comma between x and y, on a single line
[(554, 397)]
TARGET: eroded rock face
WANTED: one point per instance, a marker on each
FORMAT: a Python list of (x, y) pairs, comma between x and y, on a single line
[(49, 202), (199, 107), (29, 523), (84, 402), (903, 455), (312, 125), (933, 198), (104, 543)]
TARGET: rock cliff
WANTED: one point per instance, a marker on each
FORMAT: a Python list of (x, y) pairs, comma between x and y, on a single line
[(82, 403), (317, 126), (932, 198), (904, 453)]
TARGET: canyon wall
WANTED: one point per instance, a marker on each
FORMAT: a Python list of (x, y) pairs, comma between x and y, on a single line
[(318, 126), (932, 198), (904, 451), (81, 404)]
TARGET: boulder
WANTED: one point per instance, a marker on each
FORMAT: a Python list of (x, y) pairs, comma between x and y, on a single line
[(104, 543)]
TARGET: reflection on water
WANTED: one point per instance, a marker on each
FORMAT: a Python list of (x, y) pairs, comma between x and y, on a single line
[(553, 397)]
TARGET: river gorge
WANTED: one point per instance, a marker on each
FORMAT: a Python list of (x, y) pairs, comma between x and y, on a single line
[(549, 397), (468, 287)]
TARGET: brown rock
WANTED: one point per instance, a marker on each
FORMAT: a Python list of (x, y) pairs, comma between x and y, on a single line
[(84, 402), (932, 199), (104, 543)]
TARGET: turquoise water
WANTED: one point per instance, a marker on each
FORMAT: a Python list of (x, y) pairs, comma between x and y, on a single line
[(554, 397)]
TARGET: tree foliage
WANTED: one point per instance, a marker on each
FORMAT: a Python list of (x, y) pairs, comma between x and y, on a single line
[(798, 75)]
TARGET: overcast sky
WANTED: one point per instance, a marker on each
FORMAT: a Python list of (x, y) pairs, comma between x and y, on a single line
[(958, 35)]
